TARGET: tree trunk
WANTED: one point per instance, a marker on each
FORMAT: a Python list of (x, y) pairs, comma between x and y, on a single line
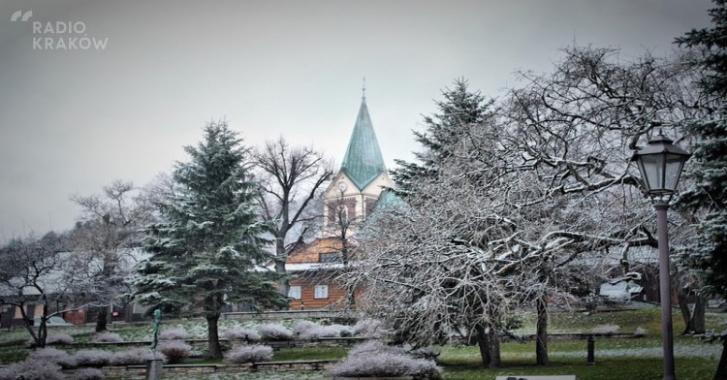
[(541, 339), (213, 338), (102, 318), (683, 301), (43, 328), (284, 285), (722, 366), (697, 320), (494, 341), (693, 318), (483, 343)]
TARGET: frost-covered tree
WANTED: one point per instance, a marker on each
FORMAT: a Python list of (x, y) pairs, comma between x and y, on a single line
[(208, 246), (459, 108), (520, 197), (709, 194), (103, 240)]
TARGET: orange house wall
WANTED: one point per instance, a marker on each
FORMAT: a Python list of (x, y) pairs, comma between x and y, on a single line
[(336, 296)]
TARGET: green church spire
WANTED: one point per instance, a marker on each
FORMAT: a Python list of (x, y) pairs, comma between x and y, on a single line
[(363, 161)]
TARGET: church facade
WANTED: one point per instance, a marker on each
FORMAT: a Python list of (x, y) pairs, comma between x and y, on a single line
[(350, 198)]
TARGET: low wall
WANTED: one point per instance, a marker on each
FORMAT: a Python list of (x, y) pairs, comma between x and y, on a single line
[(171, 371)]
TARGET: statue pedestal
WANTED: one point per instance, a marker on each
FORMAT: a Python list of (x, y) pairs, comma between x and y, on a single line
[(154, 369)]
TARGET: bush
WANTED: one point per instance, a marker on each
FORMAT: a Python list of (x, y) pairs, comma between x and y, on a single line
[(606, 329), (371, 328), (274, 332), (175, 350), (92, 358), (59, 339), (302, 326), (376, 359), (106, 337), (246, 354), (427, 353), (32, 370), (241, 333), (52, 355), (133, 356), (89, 374), (174, 334), (310, 330)]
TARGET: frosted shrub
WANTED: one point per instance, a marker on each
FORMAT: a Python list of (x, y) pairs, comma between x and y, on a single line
[(241, 333), (32, 370), (92, 358), (274, 331), (606, 329), (89, 374), (52, 355), (247, 354), (331, 331), (107, 337), (133, 356), (370, 359), (371, 328), (173, 334), (175, 350), (640, 332), (59, 339), (301, 327), (310, 330)]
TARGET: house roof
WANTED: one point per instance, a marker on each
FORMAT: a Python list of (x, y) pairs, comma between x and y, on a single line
[(310, 253), (363, 161)]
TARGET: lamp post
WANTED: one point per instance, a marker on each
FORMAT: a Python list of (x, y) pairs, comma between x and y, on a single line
[(660, 163)]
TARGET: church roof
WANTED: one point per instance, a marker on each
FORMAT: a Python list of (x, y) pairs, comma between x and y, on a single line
[(389, 199), (363, 161)]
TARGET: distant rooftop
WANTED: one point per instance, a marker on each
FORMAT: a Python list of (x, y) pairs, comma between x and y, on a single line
[(363, 161)]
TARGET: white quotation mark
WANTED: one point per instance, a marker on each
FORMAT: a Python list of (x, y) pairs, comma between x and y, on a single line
[(19, 15)]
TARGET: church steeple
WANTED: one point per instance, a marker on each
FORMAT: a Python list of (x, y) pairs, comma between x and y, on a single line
[(363, 161)]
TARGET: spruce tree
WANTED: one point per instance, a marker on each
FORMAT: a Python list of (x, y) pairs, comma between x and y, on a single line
[(459, 109), (710, 154), (205, 250)]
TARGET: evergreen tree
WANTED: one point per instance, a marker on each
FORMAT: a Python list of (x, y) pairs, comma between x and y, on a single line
[(710, 173), (459, 109), (205, 250)]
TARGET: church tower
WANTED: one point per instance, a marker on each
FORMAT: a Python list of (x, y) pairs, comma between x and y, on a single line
[(351, 197), (356, 187)]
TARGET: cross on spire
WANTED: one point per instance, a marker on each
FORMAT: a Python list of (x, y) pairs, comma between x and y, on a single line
[(363, 89)]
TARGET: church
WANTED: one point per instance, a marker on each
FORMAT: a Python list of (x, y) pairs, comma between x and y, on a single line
[(352, 195)]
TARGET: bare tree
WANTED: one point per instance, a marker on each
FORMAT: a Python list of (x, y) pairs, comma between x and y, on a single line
[(292, 179), (103, 242), (31, 275)]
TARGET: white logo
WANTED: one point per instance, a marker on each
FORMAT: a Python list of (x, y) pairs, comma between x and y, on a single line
[(61, 34), (25, 16)]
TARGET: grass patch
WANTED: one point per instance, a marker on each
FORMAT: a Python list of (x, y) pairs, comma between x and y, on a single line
[(648, 318), (616, 368), (11, 354), (311, 353)]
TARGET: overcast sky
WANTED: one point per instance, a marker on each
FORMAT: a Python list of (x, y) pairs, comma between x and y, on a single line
[(72, 121)]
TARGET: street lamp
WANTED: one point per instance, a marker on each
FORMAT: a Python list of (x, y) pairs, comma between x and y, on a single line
[(661, 163)]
